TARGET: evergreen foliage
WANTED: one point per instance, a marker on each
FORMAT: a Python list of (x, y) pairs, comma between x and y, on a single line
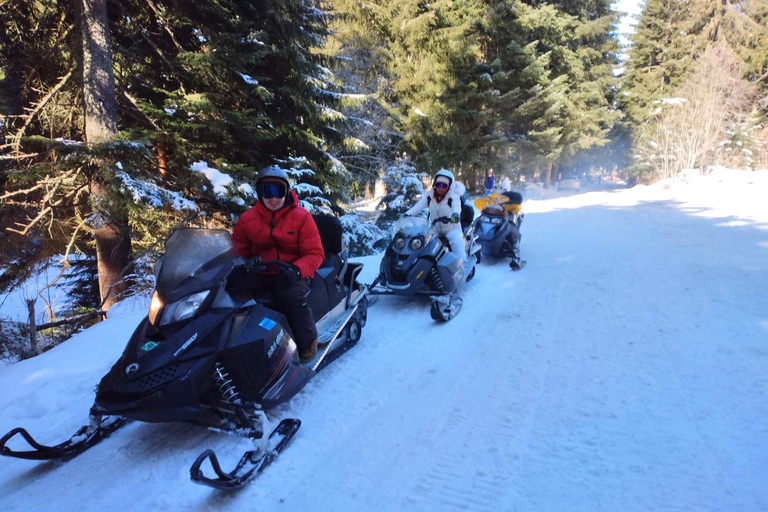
[(363, 238), (237, 84), (404, 188)]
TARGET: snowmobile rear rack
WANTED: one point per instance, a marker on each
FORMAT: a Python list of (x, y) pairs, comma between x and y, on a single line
[(99, 428), (251, 464)]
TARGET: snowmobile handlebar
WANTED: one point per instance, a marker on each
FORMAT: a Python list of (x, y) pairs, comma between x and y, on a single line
[(258, 265), (446, 220)]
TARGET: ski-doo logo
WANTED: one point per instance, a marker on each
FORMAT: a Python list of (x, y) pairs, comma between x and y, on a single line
[(185, 345), (132, 368), (275, 343)]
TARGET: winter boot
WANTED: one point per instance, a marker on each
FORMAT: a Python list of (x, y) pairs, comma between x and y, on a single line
[(306, 354), (517, 263)]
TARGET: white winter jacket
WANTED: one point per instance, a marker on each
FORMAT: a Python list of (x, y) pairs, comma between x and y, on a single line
[(450, 204)]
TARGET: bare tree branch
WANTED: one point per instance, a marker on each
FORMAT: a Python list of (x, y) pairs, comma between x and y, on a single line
[(75, 320), (164, 58), (19, 134), (133, 102), (19, 157), (166, 25)]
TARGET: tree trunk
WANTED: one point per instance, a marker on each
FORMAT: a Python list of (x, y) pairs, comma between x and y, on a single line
[(369, 188), (31, 326), (98, 77), (162, 155), (113, 242), (548, 175)]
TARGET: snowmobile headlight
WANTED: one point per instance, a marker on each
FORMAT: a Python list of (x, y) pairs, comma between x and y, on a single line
[(417, 243), (154, 307), (497, 220), (399, 242), (485, 218), (184, 308)]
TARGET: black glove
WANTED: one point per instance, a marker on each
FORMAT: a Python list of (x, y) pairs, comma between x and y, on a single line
[(251, 263), (288, 275)]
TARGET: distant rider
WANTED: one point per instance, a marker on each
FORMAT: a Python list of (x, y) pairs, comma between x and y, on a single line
[(444, 202), (489, 182), (505, 184), (279, 228)]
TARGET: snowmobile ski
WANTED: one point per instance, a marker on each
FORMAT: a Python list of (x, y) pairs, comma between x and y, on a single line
[(87, 436), (445, 308), (517, 264), (251, 464)]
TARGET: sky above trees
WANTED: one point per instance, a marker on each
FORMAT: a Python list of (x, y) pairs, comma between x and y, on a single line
[(632, 8)]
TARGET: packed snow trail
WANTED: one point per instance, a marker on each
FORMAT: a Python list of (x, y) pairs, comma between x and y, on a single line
[(623, 369)]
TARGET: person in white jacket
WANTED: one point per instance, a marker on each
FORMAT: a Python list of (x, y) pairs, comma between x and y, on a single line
[(444, 202), (505, 184)]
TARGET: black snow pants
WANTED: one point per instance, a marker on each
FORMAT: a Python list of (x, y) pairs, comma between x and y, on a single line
[(289, 299)]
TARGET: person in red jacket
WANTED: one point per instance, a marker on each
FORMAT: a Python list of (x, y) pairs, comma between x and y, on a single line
[(278, 228)]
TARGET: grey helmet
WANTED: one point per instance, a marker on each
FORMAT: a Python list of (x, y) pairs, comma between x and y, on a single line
[(448, 174), (273, 171)]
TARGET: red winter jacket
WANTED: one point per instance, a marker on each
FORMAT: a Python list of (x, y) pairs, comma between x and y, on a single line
[(289, 234)]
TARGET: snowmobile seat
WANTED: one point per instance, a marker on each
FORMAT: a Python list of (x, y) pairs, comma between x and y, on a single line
[(326, 286), (514, 197), (467, 216), (331, 234)]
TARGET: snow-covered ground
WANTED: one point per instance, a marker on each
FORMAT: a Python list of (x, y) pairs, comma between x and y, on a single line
[(624, 369)]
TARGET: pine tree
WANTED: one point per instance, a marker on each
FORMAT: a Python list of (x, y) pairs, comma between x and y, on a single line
[(236, 84), (404, 187), (418, 52), (358, 59), (111, 232), (658, 60), (563, 86)]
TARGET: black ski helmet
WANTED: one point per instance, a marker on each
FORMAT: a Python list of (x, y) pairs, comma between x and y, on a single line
[(273, 171)]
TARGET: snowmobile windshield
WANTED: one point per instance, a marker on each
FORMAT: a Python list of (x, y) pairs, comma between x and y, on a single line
[(197, 255), (410, 227)]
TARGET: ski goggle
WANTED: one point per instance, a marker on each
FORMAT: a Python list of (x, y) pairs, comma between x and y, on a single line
[(271, 190), (441, 185)]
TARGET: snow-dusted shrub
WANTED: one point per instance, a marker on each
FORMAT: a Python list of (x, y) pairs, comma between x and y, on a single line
[(404, 187), (362, 237), (14, 342)]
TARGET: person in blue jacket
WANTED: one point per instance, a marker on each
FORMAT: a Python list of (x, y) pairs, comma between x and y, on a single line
[(489, 182)]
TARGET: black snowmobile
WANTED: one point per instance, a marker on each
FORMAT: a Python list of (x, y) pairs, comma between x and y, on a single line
[(214, 353), (498, 226), (419, 262)]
